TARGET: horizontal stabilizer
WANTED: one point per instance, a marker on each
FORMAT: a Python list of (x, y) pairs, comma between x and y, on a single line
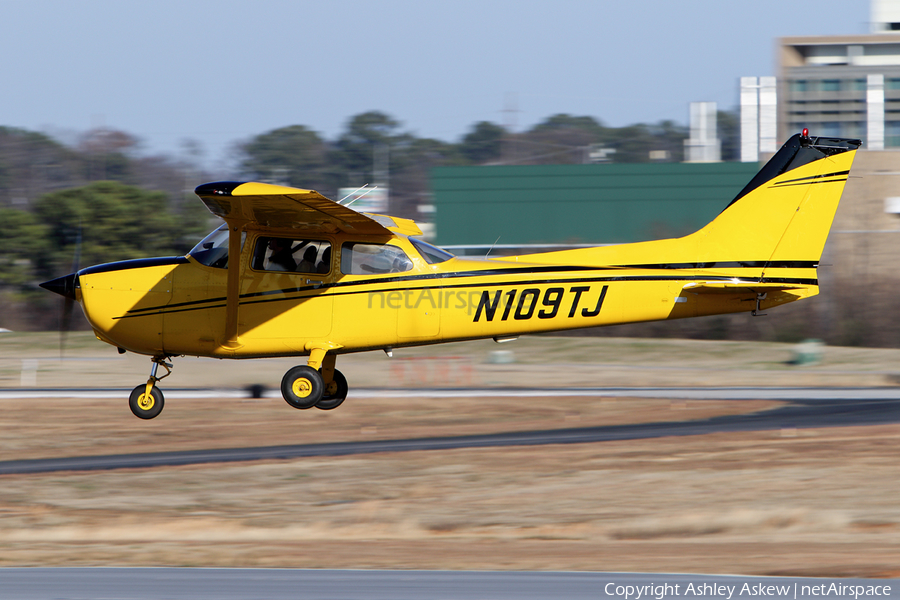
[(740, 287)]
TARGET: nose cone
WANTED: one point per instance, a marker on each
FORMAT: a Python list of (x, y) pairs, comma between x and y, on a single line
[(64, 286)]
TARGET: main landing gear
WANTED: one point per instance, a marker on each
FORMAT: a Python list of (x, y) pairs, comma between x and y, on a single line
[(316, 384), (147, 401)]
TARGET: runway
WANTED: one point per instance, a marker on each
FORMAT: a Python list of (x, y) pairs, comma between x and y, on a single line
[(805, 408), (295, 584)]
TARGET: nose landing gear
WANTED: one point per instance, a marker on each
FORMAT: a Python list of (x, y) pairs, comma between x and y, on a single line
[(147, 401)]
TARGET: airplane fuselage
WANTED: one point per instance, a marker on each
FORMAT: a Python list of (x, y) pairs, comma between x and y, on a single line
[(292, 273), (177, 306)]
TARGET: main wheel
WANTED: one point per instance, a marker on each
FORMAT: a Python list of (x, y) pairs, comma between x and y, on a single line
[(302, 387), (335, 392), (146, 406)]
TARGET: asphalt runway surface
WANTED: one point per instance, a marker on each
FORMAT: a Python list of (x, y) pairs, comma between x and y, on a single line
[(805, 408), (294, 584)]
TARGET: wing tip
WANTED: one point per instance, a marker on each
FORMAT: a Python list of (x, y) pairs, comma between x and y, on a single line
[(246, 188), (217, 188)]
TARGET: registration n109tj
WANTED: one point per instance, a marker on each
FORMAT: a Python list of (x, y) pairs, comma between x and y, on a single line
[(292, 273)]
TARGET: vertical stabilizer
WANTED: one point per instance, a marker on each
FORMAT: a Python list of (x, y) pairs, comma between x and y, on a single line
[(785, 212)]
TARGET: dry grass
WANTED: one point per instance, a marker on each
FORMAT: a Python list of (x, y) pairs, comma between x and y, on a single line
[(539, 361), (804, 502)]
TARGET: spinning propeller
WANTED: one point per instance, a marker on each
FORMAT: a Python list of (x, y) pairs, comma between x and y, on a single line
[(65, 287)]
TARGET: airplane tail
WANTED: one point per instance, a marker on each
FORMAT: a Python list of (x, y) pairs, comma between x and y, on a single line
[(777, 224), (781, 219)]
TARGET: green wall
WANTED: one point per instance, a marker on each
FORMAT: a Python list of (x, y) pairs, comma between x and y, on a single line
[(577, 204)]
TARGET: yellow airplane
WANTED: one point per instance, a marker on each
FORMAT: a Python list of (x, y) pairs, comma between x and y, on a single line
[(292, 273)]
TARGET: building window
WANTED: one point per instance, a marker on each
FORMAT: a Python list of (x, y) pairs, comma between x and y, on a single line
[(799, 85), (830, 129), (892, 83), (831, 85), (852, 129), (892, 134), (855, 85)]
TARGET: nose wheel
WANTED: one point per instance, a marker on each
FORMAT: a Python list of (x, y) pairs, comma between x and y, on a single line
[(146, 401), (144, 405)]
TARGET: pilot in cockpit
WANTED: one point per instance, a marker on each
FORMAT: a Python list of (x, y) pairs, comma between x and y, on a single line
[(281, 258)]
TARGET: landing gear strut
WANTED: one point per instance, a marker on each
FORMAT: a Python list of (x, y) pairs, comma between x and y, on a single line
[(147, 401), (316, 384)]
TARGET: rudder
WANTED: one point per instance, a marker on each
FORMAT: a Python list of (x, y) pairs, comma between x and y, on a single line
[(784, 214)]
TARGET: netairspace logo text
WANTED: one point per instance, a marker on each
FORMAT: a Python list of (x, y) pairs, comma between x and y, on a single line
[(727, 592)]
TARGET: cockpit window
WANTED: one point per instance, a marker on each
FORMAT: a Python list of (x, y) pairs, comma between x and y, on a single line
[(431, 254), (212, 250), (367, 259), (292, 255)]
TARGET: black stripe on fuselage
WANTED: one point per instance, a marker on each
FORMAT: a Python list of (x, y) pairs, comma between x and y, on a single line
[(426, 276), (484, 273), (749, 264), (283, 293)]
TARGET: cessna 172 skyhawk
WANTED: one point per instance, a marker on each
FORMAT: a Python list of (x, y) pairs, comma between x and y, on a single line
[(292, 273)]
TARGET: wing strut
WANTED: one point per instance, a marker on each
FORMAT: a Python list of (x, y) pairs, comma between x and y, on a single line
[(235, 228)]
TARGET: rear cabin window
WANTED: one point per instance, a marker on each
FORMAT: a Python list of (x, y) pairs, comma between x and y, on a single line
[(288, 255), (367, 259)]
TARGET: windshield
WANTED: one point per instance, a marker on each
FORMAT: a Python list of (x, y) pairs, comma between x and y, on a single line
[(431, 254), (212, 250)]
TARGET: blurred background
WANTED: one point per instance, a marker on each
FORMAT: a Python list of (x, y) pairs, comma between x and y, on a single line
[(502, 126), (546, 126)]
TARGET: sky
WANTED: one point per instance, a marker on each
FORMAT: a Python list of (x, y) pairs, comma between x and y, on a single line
[(220, 72)]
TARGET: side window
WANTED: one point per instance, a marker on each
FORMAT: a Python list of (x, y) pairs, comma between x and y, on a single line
[(291, 255), (366, 259)]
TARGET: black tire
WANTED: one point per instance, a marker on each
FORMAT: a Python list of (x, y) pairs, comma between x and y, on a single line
[(302, 387), (335, 394), (144, 407)]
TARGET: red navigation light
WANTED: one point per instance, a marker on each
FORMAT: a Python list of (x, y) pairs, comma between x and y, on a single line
[(805, 132)]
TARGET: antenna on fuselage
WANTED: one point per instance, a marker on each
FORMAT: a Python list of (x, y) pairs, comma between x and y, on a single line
[(492, 246)]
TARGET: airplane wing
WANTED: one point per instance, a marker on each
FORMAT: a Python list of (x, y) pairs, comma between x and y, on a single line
[(280, 206)]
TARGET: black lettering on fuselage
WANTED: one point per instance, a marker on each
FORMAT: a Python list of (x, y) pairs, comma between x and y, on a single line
[(489, 307), (510, 296), (528, 302), (596, 311), (555, 303), (524, 315), (577, 291)]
